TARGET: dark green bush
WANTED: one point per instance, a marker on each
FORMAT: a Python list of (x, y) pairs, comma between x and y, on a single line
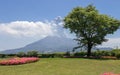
[(53, 55), (21, 54), (98, 53), (67, 53), (59, 55), (118, 55), (32, 53), (47, 56), (10, 55), (107, 53), (2, 55), (113, 53), (80, 54)]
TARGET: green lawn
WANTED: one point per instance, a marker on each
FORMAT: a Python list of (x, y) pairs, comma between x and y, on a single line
[(63, 66)]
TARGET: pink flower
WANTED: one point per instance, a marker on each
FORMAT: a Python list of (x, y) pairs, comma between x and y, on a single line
[(16, 61), (109, 73)]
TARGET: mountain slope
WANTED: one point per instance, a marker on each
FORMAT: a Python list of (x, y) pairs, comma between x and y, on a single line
[(48, 44)]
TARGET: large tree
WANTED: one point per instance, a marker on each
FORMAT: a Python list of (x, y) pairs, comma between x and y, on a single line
[(90, 26)]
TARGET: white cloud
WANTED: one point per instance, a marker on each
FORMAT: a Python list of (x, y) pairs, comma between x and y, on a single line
[(112, 42), (26, 29), (33, 29)]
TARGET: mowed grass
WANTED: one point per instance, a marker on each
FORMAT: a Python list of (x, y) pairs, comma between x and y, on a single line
[(63, 66)]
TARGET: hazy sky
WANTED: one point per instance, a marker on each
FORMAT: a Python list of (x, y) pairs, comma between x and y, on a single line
[(26, 21)]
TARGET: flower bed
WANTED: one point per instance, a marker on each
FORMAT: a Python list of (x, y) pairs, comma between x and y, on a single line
[(109, 74), (17, 61)]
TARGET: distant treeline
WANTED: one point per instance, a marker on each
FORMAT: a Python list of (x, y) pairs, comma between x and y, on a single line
[(82, 54)]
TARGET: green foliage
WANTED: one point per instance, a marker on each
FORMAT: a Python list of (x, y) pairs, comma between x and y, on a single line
[(21, 54), (10, 55), (80, 54), (103, 53), (7, 55), (116, 53), (32, 53), (59, 55), (2, 55), (67, 53), (90, 26), (99, 53), (54, 55), (112, 53), (46, 55)]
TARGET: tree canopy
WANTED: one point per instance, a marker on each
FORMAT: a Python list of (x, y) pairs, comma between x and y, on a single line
[(90, 26)]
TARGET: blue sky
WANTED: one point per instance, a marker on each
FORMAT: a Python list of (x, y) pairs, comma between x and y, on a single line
[(35, 10), (18, 17)]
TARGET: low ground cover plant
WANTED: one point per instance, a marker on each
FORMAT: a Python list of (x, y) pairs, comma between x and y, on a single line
[(17, 61), (109, 73)]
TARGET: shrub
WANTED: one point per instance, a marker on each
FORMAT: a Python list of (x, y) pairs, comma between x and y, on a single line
[(47, 55), (76, 54), (32, 53), (21, 54), (59, 55), (17, 61), (80, 54), (113, 53), (109, 73), (2, 55), (54, 55), (118, 55), (107, 53), (99, 53), (10, 55), (67, 53)]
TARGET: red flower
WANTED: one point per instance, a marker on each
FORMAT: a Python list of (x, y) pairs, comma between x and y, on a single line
[(16, 61), (109, 73)]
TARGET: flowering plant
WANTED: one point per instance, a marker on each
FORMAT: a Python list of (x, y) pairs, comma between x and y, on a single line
[(16, 61), (109, 73)]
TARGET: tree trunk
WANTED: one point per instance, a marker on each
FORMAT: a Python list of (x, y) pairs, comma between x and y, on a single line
[(89, 50)]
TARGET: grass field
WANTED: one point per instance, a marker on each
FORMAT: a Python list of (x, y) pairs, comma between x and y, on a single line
[(63, 66)]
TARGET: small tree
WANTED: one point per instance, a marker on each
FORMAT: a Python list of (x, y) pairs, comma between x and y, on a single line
[(32, 53), (21, 54), (67, 53), (90, 26)]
